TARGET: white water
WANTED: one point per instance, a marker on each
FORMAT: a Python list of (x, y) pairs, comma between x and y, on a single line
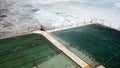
[(79, 11), (23, 14)]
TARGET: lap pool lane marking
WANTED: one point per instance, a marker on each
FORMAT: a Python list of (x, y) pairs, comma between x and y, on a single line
[(71, 55)]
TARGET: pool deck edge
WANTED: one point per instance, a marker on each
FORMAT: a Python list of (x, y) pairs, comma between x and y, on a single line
[(59, 29)]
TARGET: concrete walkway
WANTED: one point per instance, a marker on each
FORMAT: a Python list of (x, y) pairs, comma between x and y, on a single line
[(71, 55)]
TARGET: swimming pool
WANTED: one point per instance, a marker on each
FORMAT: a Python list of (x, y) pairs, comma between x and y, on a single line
[(95, 44), (31, 50)]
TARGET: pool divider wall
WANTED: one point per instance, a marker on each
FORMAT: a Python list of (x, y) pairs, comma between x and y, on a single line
[(71, 55)]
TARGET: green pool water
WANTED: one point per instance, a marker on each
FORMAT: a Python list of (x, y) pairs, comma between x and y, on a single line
[(31, 50), (95, 44)]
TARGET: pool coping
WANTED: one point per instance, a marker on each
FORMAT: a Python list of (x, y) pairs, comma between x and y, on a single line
[(59, 29)]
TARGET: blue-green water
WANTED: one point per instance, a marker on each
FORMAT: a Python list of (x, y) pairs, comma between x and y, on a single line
[(98, 42), (31, 50)]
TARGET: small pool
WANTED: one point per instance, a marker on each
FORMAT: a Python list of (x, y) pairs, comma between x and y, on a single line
[(32, 50)]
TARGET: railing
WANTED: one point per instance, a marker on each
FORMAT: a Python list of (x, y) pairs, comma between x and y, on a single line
[(103, 22), (19, 32)]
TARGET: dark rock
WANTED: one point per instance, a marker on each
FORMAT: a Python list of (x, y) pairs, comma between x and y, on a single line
[(3, 16)]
